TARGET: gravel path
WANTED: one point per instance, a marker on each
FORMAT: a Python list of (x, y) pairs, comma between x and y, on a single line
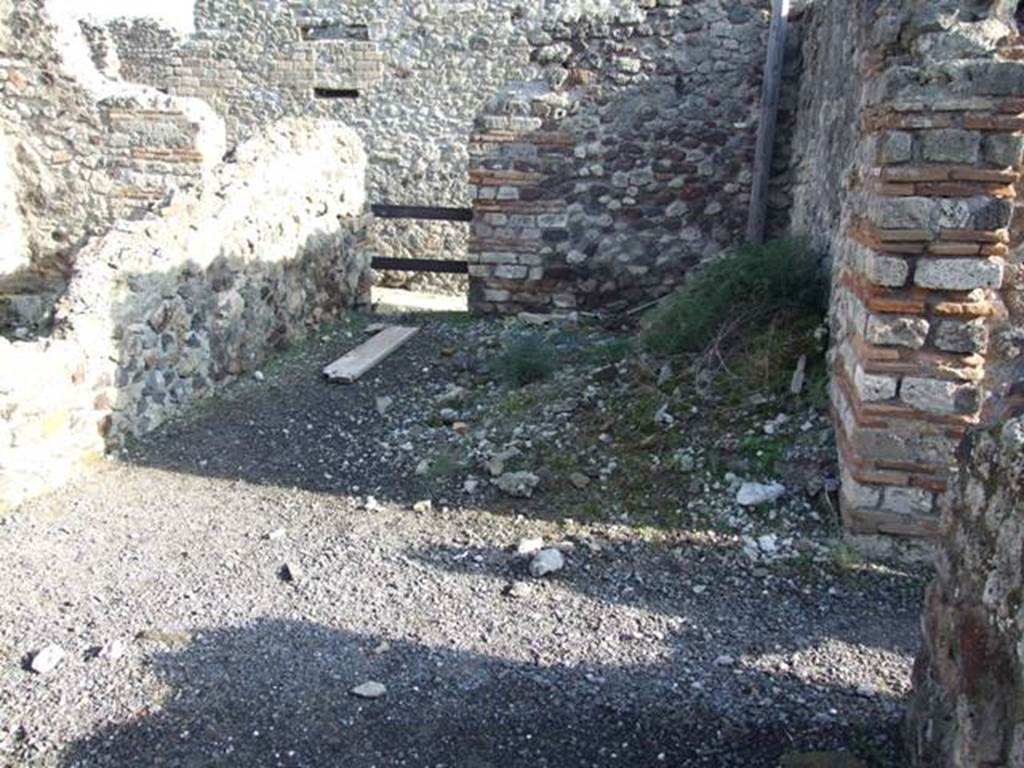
[(221, 590)]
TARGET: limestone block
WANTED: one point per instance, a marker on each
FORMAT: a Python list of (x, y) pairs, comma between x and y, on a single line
[(959, 274), (993, 78), (890, 271), (859, 495), (951, 145), (897, 330), (942, 398), (896, 147), (870, 387), (1003, 149), (914, 444), (963, 337), (909, 501), (939, 213)]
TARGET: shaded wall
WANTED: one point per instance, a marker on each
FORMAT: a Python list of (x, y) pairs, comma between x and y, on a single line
[(968, 706), (602, 184)]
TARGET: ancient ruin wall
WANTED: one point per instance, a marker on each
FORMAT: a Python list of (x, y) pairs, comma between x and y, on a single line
[(167, 308), (83, 150), (922, 244), (53, 135), (407, 76), (603, 183), (412, 77), (968, 707)]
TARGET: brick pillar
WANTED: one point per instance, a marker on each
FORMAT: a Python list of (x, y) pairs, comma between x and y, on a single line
[(919, 284), (519, 167)]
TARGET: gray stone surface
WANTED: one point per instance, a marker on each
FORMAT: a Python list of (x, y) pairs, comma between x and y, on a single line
[(897, 330), (968, 679), (951, 146), (969, 337), (959, 274), (943, 398)]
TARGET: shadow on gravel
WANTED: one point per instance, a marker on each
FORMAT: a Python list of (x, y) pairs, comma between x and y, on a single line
[(297, 430), (771, 615), (278, 693)]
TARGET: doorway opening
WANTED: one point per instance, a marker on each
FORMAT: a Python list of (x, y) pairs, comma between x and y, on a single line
[(425, 272)]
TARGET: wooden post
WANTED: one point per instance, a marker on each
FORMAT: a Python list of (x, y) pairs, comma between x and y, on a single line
[(770, 91)]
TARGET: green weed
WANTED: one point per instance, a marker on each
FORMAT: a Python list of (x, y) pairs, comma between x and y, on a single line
[(525, 360), (737, 291)]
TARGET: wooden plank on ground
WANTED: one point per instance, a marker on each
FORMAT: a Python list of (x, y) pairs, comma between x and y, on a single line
[(352, 366)]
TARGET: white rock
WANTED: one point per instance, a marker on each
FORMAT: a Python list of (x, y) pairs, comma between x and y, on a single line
[(754, 494), (292, 571), (370, 690), (546, 561), (471, 486), (384, 404), (579, 480), (530, 546), (258, 375), (768, 544), (518, 484), (113, 650), (423, 507), (518, 590), (47, 659), (725, 660), (422, 468), (452, 396)]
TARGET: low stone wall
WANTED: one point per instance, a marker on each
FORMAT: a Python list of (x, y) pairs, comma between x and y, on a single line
[(968, 706), (604, 183), (168, 308)]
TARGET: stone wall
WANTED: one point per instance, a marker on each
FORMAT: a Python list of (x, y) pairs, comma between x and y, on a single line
[(919, 224), (407, 76), (629, 163), (83, 150), (53, 134), (411, 77), (167, 308), (968, 706)]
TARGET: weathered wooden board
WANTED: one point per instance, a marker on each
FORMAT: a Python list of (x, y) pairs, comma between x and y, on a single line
[(770, 94), (352, 366)]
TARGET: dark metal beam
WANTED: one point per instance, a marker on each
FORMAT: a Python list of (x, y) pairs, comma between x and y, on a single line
[(422, 212), (446, 266)]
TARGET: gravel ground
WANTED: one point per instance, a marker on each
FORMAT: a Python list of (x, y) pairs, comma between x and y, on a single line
[(222, 587)]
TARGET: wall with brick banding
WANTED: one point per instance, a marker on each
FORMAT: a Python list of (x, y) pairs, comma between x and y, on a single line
[(921, 227)]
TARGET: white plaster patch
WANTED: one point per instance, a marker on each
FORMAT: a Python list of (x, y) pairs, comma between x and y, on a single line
[(13, 251)]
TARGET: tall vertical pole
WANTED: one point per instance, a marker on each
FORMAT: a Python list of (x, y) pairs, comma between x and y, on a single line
[(770, 91)]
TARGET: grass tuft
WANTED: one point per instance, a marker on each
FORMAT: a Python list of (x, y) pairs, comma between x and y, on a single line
[(526, 360), (736, 291)]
